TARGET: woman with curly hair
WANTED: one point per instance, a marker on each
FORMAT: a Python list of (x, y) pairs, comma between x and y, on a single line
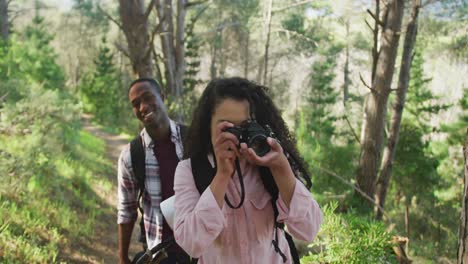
[(234, 195)]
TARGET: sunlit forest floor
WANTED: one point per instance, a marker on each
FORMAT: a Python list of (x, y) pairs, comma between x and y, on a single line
[(103, 248)]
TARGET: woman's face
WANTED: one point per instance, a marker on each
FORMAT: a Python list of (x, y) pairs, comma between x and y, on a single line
[(231, 110)]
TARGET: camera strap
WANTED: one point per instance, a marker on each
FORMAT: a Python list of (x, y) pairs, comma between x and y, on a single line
[(241, 181)]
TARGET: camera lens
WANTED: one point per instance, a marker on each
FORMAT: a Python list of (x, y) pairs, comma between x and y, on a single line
[(259, 144)]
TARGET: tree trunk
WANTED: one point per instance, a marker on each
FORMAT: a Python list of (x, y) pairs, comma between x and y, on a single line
[(347, 81), (407, 223), (213, 70), (397, 111), (164, 8), (246, 54), (135, 26), (375, 47), (172, 42), (463, 231), (4, 22), (375, 109), (180, 47), (267, 41)]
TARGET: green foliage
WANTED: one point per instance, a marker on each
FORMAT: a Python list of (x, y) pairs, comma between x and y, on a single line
[(421, 103), (47, 196), (457, 130), (188, 99), (102, 93), (30, 57), (323, 156), (459, 46), (347, 238), (89, 9), (321, 96), (419, 185), (415, 169)]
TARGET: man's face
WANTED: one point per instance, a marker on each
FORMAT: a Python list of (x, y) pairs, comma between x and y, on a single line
[(147, 104)]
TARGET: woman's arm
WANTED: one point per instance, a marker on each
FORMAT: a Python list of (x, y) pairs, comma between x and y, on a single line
[(296, 207), (302, 215), (198, 218)]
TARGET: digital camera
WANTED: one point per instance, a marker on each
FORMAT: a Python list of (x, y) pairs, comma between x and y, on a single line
[(254, 135)]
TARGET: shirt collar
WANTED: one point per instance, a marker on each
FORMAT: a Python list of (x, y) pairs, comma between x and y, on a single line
[(175, 135)]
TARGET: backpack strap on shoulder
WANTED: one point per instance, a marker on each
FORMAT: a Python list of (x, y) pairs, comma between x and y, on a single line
[(202, 172), (272, 188), (137, 154)]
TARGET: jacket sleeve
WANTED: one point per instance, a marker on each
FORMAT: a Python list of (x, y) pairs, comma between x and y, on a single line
[(198, 218), (303, 217), (127, 190)]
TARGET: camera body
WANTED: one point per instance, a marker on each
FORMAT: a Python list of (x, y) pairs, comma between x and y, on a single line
[(254, 135)]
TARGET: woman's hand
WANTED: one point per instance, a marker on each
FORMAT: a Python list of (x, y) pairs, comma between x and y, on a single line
[(225, 150), (279, 166), (274, 159)]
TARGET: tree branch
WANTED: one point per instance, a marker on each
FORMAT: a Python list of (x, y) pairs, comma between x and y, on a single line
[(110, 17), (291, 6), (365, 84), (194, 3), (367, 23), (298, 35), (4, 97), (375, 18), (149, 9), (357, 189), (156, 64), (156, 29), (352, 129), (122, 49)]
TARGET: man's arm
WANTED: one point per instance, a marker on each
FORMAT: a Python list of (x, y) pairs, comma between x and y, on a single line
[(125, 234), (126, 206)]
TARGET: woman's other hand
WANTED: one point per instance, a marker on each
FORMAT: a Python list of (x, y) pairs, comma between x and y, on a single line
[(274, 159)]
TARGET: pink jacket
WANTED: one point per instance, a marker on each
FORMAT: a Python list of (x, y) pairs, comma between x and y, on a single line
[(241, 235)]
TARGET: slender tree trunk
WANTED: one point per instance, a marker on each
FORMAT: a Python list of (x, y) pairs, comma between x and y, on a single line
[(347, 81), (246, 54), (4, 22), (267, 42), (164, 8), (172, 42), (180, 47), (407, 224), (398, 107), (213, 70), (136, 29), (375, 109), (221, 55), (463, 230), (375, 47)]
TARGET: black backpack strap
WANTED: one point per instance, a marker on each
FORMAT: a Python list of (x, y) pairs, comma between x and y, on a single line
[(183, 129), (137, 153), (272, 188), (202, 172)]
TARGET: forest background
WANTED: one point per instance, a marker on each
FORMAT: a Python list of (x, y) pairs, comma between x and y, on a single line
[(375, 92)]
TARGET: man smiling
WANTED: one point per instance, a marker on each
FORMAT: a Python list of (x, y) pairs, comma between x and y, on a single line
[(161, 143)]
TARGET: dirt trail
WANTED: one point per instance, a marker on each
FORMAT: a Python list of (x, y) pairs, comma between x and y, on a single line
[(104, 248)]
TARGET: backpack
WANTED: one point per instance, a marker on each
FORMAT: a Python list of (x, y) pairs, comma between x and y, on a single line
[(203, 174), (137, 153)]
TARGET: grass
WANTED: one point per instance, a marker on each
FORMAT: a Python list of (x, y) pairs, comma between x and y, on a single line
[(53, 206)]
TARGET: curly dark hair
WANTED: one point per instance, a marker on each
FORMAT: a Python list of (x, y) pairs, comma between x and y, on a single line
[(198, 141)]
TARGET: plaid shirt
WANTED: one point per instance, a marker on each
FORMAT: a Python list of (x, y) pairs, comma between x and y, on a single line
[(128, 187)]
